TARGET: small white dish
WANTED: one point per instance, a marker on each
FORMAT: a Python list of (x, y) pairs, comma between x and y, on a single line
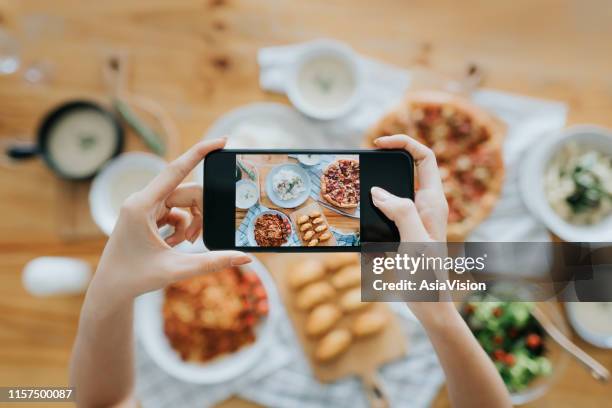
[(575, 316), (294, 202), (251, 227), (245, 203), (150, 330), (309, 159), (531, 182), (293, 131), (128, 173), (326, 80)]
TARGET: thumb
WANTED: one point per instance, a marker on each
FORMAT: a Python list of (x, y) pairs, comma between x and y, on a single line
[(403, 213), (208, 262)]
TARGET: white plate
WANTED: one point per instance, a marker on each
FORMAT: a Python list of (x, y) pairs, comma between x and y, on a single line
[(304, 135), (150, 330), (240, 182), (251, 227), (294, 202), (532, 179)]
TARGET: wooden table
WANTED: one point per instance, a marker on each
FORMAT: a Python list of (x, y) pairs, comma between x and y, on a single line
[(198, 59)]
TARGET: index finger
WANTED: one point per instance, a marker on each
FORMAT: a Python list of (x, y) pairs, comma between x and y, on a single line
[(174, 173), (427, 168)]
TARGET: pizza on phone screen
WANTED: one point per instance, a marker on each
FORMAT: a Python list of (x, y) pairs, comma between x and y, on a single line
[(340, 183), (467, 142)]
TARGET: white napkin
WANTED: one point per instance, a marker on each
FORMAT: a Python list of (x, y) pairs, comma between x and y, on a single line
[(527, 119)]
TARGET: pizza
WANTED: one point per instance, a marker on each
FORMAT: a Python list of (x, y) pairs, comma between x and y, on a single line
[(467, 142), (340, 183)]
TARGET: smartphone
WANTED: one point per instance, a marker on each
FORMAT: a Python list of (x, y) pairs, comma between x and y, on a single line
[(301, 200)]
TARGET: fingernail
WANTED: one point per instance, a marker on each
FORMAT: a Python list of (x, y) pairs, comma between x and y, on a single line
[(379, 194), (240, 260)]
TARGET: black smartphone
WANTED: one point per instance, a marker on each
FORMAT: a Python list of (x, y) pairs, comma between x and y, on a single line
[(301, 200)]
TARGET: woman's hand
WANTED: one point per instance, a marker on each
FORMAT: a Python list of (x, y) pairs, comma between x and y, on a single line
[(425, 218), (136, 259), (472, 379)]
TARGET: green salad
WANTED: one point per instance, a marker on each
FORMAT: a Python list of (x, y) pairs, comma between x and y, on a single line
[(511, 336)]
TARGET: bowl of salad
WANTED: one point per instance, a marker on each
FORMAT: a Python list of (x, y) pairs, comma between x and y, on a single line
[(526, 358)]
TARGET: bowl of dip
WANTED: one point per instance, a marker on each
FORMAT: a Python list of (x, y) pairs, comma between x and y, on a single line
[(127, 174), (247, 194), (325, 81), (75, 139), (592, 321)]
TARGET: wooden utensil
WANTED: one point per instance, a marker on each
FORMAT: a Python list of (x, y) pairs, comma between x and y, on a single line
[(598, 371)]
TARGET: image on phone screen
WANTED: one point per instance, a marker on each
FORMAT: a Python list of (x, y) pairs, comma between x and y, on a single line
[(303, 200)]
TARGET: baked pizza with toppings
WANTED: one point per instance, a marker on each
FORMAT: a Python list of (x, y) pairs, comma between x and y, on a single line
[(467, 142), (340, 183)]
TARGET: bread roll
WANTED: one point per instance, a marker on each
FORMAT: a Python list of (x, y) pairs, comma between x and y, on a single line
[(369, 323), (320, 228), (308, 234), (314, 214), (305, 227), (333, 344), (325, 236), (302, 219), (317, 220), (305, 272), (313, 242), (338, 260), (347, 277), (351, 301), (314, 294), (322, 319)]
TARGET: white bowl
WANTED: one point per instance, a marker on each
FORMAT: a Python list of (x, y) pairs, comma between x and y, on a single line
[(531, 182), (150, 330), (325, 49), (126, 174), (255, 199), (294, 202)]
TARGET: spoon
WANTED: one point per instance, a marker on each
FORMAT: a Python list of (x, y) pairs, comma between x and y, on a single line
[(598, 371)]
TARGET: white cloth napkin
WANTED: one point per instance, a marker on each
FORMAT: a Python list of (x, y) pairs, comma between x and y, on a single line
[(527, 119)]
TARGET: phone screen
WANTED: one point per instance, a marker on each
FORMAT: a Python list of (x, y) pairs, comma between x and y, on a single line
[(306, 200), (300, 200)]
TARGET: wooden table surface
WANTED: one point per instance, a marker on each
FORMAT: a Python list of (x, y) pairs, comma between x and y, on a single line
[(197, 58)]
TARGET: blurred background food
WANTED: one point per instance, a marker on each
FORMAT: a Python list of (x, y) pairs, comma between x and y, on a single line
[(169, 73)]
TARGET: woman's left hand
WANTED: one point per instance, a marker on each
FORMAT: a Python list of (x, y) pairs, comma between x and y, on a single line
[(136, 259)]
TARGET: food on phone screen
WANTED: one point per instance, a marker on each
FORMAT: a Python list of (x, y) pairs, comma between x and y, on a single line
[(302, 219), (320, 228), (324, 236), (314, 294), (306, 272), (467, 142), (287, 184), (314, 214), (313, 242), (317, 220), (347, 277), (369, 323), (308, 234), (271, 230), (340, 183), (351, 301), (333, 344), (322, 319), (246, 194), (305, 227), (578, 184), (213, 314)]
